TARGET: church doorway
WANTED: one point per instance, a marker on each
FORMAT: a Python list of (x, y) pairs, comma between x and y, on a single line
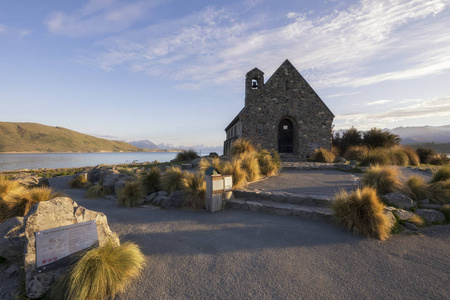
[(285, 136)]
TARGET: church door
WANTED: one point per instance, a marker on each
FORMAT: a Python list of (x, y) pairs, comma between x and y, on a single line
[(285, 136)]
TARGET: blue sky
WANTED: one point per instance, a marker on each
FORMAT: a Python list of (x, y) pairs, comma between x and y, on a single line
[(173, 71)]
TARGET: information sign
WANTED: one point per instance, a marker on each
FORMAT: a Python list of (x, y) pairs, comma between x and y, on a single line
[(228, 183), (54, 244)]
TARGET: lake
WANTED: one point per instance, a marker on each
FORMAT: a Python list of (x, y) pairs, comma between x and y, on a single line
[(9, 162)]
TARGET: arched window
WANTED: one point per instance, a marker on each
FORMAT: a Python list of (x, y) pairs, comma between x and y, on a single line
[(254, 84)]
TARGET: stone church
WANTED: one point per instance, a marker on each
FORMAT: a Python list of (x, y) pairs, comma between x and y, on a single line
[(284, 114)]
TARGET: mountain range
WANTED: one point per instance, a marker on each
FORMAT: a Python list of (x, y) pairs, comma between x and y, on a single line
[(146, 144)]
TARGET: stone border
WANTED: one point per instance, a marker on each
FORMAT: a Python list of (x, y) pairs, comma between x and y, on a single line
[(284, 197)]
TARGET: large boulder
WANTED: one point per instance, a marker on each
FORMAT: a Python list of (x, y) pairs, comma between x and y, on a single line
[(431, 215), (109, 181), (174, 200), (50, 214), (399, 200), (98, 173), (12, 239), (31, 181)]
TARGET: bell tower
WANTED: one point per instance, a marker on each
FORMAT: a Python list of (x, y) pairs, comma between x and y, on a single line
[(254, 84)]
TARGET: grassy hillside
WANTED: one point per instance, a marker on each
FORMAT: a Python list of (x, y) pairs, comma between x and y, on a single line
[(32, 137), (437, 147)]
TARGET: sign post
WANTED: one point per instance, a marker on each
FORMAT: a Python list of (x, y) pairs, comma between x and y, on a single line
[(216, 185)]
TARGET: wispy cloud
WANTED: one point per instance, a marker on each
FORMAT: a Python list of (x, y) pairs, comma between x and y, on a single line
[(425, 108), (7, 30), (98, 17), (218, 44), (378, 102)]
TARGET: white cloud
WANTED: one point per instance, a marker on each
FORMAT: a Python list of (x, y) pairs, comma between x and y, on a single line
[(5, 30), (421, 108), (98, 17), (218, 45), (378, 102)]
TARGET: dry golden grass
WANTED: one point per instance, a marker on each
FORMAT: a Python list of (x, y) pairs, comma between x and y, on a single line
[(130, 195), (442, 174), (440, 192), (418, 187), (172, 180), (194, 190), (250, 165), (417, 220), (384, 179), (323, 155), (150, 180), (97, 191), (267, 164), (234, 168), (362, 212), (206, 163), (79, 181), (101, 273), (357, 153), (412, 155), (241, 146)]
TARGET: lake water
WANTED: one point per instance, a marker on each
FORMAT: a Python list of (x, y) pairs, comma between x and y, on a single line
[(9, 162)]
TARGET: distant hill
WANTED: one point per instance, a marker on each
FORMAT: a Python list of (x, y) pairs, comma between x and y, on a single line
[(33, 137), (146, 144)]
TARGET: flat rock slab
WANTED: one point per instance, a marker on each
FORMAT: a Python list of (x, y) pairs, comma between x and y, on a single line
[(310, 182)]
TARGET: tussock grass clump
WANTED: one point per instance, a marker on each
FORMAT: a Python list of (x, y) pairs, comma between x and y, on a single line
[(241, 146), (376, 156), (323, 155), (16, 200), (418, 187), (79, 181), (384, 179), (442, 174), (172, 180), (186, 155), (101, 273), (357, 153), (194, 190), (439, 159), (250, 165), (362, 212), (440, 192), (206, 163), (234, 168), (130, 195), (267, 163), (417, 220), (397, 156), (150, 180), (412, 155), (97, 191)]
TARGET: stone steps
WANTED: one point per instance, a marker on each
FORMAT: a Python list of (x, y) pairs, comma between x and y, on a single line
[(284, 197), (285, 209)]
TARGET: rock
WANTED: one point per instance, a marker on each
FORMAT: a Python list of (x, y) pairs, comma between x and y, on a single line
[(110, 180), (13, 269), (150, 197), (411, 226), (431, 206), (424, 201), (213, 155), (431, 215), (404, 215), (353, 162), (120, 183), (391, 218), (31, 181), (399, 200), (186, 166), (12, 239), (95, 175), (55, 213), (163, 193), (159, 200), (340, 159), (174, 200)]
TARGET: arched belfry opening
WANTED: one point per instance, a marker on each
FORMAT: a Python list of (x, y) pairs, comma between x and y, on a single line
[(254, 84), (286, 136)]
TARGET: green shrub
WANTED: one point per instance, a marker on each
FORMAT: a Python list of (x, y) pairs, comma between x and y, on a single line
[(130, 195), (79, 181), (362, 212), (150, 180), (98, 191), (267, 164), (323, 155), (412, 155), (442, 174), (384, 179), (418, 187), (424, 154), (250, 165), (375, 138), (357, 153), (172, 180), (186, 155), (234, 168), (241, 146), (194, 190), (101, 273)]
